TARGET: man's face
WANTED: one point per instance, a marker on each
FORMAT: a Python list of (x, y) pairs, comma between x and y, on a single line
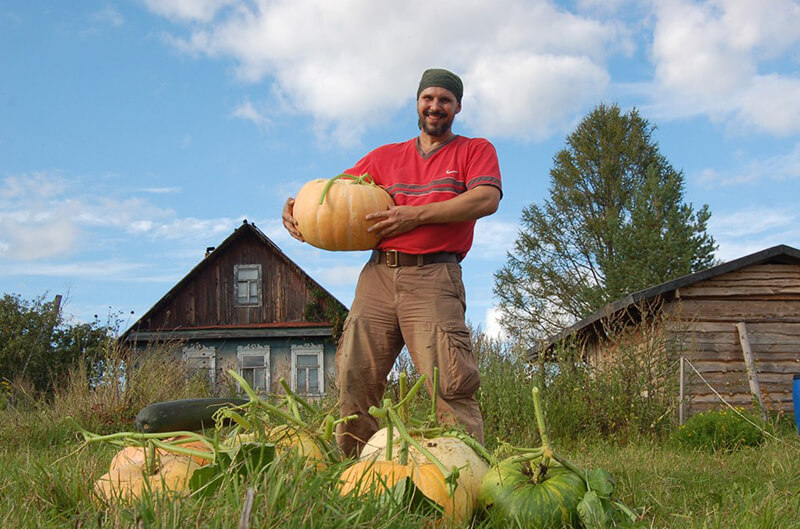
[(437, 107)]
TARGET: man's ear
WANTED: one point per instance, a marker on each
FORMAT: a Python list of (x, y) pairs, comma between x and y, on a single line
[(459, 107)]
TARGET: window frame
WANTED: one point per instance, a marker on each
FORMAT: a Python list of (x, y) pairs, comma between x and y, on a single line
[(315, 349), (197, 350), (261, 350), (236, 282)]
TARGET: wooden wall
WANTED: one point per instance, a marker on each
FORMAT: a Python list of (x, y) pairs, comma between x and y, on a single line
[(767, 299), (209, 298)]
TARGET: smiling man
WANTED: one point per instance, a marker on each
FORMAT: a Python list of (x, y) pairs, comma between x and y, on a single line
[(410, 292)]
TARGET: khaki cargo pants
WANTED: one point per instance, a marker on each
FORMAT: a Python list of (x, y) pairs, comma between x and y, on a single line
[(423, 308)]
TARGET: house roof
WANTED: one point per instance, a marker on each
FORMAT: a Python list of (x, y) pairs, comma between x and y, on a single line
[(781, 254), (247, 228)]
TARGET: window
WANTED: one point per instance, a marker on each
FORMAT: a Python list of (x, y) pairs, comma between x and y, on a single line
[(308, 375), (247, 281), (201, 359), (254, 366)]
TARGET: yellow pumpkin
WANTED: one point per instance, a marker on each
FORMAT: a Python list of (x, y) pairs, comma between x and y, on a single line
[(371, 477), (451, 452), (173, 476), (288, 439), (330, 213)]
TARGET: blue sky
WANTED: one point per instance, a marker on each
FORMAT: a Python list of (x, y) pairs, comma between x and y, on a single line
[(135, 134)]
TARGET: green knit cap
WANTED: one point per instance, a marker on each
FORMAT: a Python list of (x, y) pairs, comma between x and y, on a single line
[(442, 78)]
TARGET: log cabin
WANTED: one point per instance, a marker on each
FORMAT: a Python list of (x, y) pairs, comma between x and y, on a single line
[(737, 326), (246, 306)]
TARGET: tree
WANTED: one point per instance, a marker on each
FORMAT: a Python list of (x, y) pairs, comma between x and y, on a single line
[(614, 223), (38, 345)]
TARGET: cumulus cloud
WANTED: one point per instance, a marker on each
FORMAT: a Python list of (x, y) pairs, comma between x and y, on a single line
[(721, 58), (332, 61)]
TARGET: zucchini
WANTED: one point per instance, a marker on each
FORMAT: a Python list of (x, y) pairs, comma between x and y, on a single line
[(184, 414)]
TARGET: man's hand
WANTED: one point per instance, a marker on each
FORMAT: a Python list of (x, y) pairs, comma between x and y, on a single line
[(289, 222), (470, 205), (394, 221)]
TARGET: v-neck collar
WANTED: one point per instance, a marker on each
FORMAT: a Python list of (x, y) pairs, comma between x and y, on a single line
[(427, 156)]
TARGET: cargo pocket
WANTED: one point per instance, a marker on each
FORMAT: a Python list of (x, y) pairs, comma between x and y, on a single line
[(460, 376)]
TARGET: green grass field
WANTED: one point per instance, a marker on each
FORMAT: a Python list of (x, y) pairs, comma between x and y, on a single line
[(47, 472)]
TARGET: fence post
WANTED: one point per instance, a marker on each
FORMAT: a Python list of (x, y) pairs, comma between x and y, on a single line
[(682, 404), (752, 373)]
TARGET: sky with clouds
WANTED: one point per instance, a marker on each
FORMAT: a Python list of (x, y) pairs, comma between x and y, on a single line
[(134, 134)]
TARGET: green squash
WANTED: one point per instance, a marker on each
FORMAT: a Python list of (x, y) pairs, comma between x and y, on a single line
[(512, 497)]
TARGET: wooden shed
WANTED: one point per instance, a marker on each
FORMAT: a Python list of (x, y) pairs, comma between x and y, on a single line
[(741, 314), (247, 306)]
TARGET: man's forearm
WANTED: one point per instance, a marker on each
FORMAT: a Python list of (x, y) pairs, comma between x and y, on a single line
[(471, 205)]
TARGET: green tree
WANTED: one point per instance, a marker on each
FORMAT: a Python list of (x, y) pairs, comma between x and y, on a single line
[(36, 344), (614, 223)]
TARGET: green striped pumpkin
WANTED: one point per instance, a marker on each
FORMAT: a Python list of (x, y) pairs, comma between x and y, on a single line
[(512, 498)]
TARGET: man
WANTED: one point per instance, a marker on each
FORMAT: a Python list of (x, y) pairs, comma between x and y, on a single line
[(410, 292)]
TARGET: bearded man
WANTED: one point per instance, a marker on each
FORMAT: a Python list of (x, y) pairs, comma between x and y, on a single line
[(410, 292)]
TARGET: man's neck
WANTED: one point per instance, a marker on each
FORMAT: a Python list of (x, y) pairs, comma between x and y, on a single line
[(428, 143)]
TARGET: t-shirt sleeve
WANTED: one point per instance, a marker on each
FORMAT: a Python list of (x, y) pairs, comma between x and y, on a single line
[(484, 169), (362, 166)]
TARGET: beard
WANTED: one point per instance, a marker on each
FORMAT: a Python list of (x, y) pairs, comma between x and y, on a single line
[(434, 130)]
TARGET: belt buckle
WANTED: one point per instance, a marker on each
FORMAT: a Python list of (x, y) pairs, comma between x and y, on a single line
[(392, 260)]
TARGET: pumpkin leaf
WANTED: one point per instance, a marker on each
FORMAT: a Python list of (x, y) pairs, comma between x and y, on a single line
[(601, 482), (592, 512), (205, 481), (253, 457)]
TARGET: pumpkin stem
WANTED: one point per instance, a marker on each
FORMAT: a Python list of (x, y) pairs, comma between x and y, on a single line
[(401, 429), (402, 391), (435, 396), (389, 430), (537, 406)]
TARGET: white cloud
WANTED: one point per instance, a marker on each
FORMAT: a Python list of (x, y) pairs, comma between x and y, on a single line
[(187, 10), (750, 221), (528, 67), (492, 327), (719, 58), (778, 168), (493, 238), (248, 112), (43, 215), (108, 16)]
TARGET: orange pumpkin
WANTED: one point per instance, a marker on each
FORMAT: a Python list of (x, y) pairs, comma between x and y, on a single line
[(376, 477), (330, 213)]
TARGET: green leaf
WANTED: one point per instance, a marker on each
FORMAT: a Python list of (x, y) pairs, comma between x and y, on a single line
[(206, 480), (601, 482), (592, 512), (251, 458)]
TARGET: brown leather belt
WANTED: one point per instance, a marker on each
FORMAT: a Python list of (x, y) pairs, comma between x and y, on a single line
[(393, 258)]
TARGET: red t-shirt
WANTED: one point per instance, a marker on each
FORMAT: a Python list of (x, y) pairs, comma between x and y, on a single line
[(412, 179)]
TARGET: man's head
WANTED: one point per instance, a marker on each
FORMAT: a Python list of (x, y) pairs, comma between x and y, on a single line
[(438, 101), (441, 78)]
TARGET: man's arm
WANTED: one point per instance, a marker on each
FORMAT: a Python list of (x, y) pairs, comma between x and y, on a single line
[(471, 205)]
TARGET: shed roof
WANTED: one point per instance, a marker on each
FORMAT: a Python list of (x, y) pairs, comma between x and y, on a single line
[(781, 254)]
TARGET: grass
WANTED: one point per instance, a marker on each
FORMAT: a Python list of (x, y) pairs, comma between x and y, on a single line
[(48, 473)]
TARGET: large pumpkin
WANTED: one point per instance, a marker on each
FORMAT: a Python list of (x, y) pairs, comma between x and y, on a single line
[(512, 496), (377, 477), (330, 213), (451, 452)]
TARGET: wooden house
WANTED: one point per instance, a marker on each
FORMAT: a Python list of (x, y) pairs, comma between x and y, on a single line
[(737, 325), (247, 306)]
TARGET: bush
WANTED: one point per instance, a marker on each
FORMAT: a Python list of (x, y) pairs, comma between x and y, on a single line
[(723, 430), (626, 394)]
